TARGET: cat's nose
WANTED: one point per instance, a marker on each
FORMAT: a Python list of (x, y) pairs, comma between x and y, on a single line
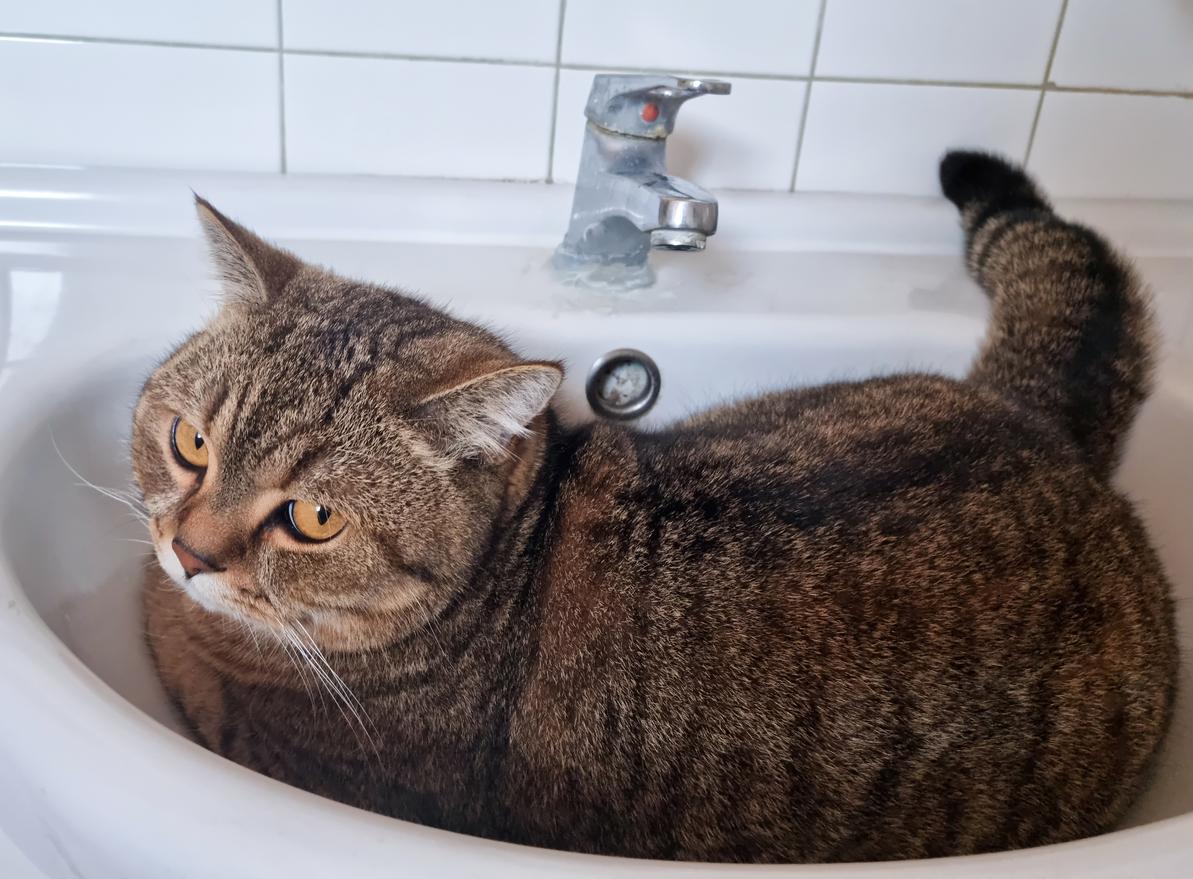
[(192, 562)]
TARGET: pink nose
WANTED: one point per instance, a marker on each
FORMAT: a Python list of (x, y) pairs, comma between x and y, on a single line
[(192, 562)]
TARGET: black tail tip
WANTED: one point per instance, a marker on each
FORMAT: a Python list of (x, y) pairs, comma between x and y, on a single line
[(970, 176)]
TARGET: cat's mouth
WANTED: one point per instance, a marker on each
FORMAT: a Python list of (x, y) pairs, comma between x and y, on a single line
[(332, 627), (212, 591)]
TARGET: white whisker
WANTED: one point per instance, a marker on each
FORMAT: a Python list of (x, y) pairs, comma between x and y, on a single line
[(305, 643), (287, 649), (252, 636), (337, 697), (121, 497)]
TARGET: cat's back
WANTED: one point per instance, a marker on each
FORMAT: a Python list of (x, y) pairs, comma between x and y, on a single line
[(866, 589), (903, 489), (844, 455)]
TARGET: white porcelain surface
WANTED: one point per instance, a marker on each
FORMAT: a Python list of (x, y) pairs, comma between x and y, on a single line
[(888, 138), (223, 22), (151, 106), (959, 40), (1141, 44), (13, 863), (514, 30), (425, 118), (746, 36), (743, 141), (1115, 145), (101, 272)]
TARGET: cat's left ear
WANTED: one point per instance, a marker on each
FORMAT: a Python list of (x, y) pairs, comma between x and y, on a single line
[(253, 270), (481, 416)]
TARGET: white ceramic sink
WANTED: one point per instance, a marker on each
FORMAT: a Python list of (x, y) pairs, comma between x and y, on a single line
[(100, 273)]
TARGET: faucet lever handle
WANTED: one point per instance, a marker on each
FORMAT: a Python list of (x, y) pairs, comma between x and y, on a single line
[(685, 89), (644, 106)]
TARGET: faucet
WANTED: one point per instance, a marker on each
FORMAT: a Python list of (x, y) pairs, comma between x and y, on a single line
[(625, 201)]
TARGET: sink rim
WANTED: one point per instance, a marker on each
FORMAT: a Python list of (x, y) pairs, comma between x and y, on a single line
[(93, 733), (38, 662)]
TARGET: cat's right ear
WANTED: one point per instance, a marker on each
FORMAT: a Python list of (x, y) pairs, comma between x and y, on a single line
[(479, 417), (252, 269)]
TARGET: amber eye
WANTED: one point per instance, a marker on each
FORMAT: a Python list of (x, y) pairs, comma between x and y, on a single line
[(313, 521), (190, 448)]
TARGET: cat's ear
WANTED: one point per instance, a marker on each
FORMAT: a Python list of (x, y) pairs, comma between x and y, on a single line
[(253, 270), (479, 417)]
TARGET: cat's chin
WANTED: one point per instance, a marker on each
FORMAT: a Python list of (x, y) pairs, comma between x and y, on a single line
[(209, 591), (211, 595)]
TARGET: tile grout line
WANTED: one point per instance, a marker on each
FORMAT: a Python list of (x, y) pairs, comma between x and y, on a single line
[(1110, 90), (803, 113), (554, 115), (281, 89), (866, 80), (1035, 121), (239, 47), (409, 56), (125, 41), (507, 62)]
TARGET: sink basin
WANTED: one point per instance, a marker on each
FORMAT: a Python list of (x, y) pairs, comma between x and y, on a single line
[(101, 272)]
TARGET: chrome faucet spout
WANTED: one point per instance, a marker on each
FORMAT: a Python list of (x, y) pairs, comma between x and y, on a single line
[(625, 201)]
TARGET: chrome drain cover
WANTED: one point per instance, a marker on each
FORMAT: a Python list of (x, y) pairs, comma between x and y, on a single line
[(623, 384)]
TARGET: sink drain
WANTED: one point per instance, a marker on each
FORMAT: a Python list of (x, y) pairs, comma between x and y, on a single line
[(623, 384)]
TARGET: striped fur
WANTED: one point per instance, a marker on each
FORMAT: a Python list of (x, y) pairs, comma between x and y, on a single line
[(903, 617)]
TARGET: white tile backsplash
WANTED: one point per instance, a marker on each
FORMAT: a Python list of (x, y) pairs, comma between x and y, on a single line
[(223, 22), (467, 88), (746, 36), (516, 30), (743, 141), (863, 137), (1141, 44), (150, 106), (960, 40), (1115, 145), (422, 118)]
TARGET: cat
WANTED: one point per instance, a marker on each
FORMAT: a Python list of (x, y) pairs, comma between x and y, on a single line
[(896, 618)]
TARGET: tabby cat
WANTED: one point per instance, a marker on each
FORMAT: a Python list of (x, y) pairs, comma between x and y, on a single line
[(894, 618)]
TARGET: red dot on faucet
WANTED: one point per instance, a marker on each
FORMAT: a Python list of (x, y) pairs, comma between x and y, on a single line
[(650, 112)]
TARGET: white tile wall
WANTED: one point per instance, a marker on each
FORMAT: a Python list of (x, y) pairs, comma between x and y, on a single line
[(1141, 44), (393, 87), (1115, 145), (961, 40), (101, 104), (742, 36), (743, 141), (425, 118), (889, 138), (226, 22), (520, 30)]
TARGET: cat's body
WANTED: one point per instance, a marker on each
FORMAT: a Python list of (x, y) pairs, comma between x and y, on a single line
[(901, 617)]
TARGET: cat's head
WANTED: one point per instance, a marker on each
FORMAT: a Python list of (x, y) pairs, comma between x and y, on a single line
[(330, 454)]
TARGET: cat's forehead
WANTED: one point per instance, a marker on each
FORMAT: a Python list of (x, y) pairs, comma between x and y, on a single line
[(290, 353), (268, 384), (290, 378)]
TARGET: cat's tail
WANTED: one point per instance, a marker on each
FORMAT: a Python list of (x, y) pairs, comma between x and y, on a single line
[(1071, 332)]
